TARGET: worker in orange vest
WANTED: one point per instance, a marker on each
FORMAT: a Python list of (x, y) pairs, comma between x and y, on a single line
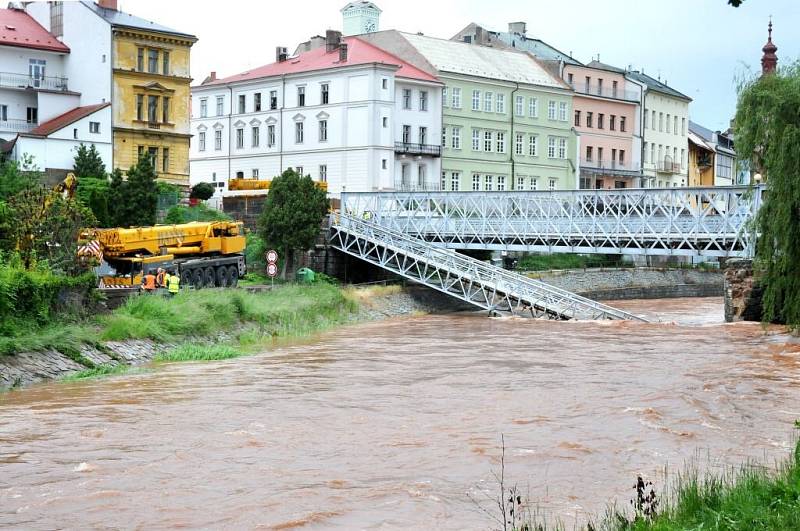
[(149, 283), (161, 282)]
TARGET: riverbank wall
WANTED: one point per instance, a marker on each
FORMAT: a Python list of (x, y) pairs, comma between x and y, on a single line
[(743, 292), (609, 284), (26, 368)]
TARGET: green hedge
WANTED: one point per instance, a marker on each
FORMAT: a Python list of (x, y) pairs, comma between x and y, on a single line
[(31, 298)]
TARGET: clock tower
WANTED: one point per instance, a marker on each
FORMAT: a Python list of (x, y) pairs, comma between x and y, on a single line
[(360, 17)]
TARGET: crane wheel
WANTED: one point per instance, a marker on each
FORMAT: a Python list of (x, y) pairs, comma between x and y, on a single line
[(197, 278), (222, 277), (233, 276), (209, 277), (186, 278)]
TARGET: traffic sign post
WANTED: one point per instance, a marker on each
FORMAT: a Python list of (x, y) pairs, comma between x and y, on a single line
[(272, 265)]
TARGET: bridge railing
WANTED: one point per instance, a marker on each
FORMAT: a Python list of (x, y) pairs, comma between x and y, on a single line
[(711, 221), (554, 298)]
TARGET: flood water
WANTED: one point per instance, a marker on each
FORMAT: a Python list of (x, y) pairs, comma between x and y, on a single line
[(395, 424)]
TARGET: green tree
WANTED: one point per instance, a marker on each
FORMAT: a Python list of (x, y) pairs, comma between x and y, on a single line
[(118, 215), (141, 194), (88, 163), (292, 215), (46, 227), (202, 191), (183, 214), (767, 125), (13, 179), (98, 204)]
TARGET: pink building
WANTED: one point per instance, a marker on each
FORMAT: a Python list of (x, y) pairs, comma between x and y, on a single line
[(606, 119)]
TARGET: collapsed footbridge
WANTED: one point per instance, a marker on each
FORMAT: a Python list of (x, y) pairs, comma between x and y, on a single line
[(415, 234)]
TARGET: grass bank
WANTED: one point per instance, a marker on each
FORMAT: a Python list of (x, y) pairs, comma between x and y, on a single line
[(205, 324), (749, 497)]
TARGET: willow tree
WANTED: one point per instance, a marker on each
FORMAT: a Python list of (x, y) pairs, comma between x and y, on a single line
[(768, 127)]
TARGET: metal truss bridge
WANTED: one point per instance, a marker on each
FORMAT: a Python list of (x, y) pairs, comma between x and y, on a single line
[(713, 222), (485, 286), (414, 234)]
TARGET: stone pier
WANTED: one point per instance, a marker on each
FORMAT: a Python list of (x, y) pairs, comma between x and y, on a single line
[(742, 292)]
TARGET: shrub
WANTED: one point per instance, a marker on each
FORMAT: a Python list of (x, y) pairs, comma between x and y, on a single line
[(182, 214), (202, 191)]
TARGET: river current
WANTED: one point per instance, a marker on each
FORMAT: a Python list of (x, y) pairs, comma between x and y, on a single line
[(398, 424)]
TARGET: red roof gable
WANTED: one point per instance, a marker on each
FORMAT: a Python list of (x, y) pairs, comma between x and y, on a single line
[(17, 28), (359, 52), (61, 121)]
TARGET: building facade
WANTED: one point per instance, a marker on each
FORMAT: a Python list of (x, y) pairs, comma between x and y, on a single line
[(665, 120), (348, 114), (140, 67), (42, 113), (606, 113), (701, 161), (506, 121), (359, 17)]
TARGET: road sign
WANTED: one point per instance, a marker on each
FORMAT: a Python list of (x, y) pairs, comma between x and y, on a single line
[(272, 269), (272, 256)]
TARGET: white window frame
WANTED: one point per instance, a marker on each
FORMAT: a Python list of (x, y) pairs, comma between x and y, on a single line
[(562, 111), (455, 181), (551, 110), (533, 146), (519, 144), (533, 108), (476, 140), (456, 98), (500, 103), (455, 138), (323, 130), (519, 106), (500, 143), (201, 141), (488, 138), (501, 183), (423, 100), (299, 133), (476, 182), (476, 100), (488, 101), (488, 183), (562, 148), (551, 147), (217, 140), (239, 137), (255, 136)]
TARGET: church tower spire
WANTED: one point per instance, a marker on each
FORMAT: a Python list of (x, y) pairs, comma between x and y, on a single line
[(769, 61)]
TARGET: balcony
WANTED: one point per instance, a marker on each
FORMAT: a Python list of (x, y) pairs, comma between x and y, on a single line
[(21, 81), (608, 167), (407, 148), (407, 186), (606, 92), (667, 166), (17, 126)]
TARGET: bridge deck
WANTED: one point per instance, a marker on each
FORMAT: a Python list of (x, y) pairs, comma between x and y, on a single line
[(483, 285), (675, 221)]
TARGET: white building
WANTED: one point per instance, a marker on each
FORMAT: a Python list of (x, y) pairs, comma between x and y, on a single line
[(347, 113), (41, 112), (665, 128)]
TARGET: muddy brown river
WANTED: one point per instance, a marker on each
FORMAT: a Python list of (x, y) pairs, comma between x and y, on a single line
[(397, 424)]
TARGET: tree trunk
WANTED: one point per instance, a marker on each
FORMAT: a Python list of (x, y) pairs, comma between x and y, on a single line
[(287, 258)]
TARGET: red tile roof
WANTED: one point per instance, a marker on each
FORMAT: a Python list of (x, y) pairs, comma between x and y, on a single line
[(17, 28), (60, 122), (359, 52)]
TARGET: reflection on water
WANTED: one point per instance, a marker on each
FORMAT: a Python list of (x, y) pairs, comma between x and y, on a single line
[(391, 424)]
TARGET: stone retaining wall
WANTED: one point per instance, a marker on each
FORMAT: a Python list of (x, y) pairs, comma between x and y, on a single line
[(742, 292), (635, 283)]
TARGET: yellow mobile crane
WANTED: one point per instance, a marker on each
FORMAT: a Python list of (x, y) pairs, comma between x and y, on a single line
[(203, 254)]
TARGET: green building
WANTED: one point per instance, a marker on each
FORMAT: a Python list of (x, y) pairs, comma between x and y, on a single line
[(506, 120)]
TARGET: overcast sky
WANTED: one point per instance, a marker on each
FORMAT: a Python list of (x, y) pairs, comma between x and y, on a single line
[(700, 47)]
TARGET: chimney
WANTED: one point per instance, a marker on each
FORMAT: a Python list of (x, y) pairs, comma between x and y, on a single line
[(108, 4), (281, 54), (517, 28), (213, 76), (333, 39), (343, 52), (478, 35), (315, 42)]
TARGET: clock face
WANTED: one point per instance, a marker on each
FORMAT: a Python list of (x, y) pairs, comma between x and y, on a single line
[(369, 27)]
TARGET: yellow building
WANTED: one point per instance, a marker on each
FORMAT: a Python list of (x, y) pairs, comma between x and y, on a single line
[(150, 93), (701, 162)]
